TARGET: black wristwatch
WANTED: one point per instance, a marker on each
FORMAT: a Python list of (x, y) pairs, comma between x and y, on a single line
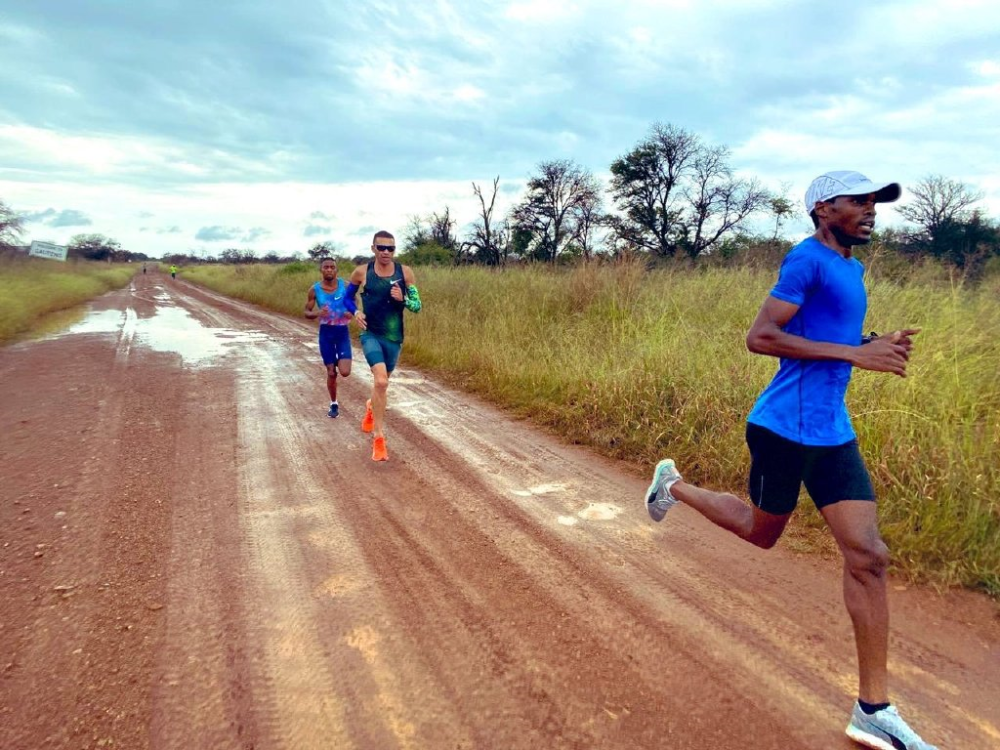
[(869, 338)]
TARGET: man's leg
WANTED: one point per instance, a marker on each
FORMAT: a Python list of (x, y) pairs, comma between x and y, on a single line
[(380, 388), (331, 382), (855, 527), (775, 481), (728, 511)]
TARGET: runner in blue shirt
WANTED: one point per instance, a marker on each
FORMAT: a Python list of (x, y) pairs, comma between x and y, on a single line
[(327, 300), (799, 431)]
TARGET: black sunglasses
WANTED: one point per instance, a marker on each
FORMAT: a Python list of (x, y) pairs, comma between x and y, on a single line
[(386, 248)]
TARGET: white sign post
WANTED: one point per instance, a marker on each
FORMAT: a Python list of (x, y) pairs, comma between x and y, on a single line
[(47, 250)]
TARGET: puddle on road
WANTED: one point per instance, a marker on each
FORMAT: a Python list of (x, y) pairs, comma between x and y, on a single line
[(171, 330), (600, 512), (105, 321), (542, 489)]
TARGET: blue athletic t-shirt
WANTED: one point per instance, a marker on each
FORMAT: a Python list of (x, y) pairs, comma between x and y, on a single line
[(335, 301), (805, 400)]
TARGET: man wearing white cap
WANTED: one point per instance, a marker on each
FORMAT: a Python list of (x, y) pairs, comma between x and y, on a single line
[(799, 430)]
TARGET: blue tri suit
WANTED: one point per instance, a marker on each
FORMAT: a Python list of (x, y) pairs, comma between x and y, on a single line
[(334, 335)]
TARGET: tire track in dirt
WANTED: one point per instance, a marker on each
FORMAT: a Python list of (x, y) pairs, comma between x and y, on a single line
[(763, 646), (487, 587)]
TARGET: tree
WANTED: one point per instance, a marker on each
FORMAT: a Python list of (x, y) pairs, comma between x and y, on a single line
[(488, 242), (718, 201), (675, 193), (235, 256), (416, 234), (965, 242), (11, 226), (558, 196), (322, 250), (781, 208), (94, 247), (431, 239), (442, 228), (938, 206)]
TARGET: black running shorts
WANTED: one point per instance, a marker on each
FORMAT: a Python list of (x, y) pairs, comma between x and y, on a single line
[(779, 467)]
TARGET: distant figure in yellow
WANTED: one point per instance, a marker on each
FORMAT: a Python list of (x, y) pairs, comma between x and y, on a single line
[(173, 272)]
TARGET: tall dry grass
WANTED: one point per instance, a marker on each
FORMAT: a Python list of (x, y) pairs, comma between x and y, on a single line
[(31, 288), (641, 363)]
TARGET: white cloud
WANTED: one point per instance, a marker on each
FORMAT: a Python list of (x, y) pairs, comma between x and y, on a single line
[(262, 120), (539, 11), (987, 68)]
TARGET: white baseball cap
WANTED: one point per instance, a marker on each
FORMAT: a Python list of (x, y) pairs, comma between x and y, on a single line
[(832, 184)]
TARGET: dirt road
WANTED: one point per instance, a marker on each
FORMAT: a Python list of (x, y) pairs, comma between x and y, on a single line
[(192, 555)]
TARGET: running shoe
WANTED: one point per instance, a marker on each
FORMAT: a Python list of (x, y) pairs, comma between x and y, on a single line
[(379, 453), (884, 730), (368, 423), (658, 497), (334, 411)]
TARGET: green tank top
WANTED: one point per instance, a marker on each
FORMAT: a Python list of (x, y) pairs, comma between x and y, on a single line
[(383, 314)]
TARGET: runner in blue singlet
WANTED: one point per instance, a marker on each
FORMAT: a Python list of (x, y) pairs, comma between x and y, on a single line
[(327, 300)]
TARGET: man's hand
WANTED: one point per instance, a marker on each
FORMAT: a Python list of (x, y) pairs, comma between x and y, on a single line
[(888, 353), (359, 318), (396, 291)]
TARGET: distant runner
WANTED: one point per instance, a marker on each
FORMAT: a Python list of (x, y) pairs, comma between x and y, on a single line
[(800, 431), (173, 272), (388, 288), (334, 312)]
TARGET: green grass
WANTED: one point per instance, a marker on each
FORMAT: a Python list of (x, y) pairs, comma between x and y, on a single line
[(640, 364), (279, 288), (31, 288)]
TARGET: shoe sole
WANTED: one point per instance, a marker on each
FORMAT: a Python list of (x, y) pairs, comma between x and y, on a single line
[(868, 740), (658, 473)]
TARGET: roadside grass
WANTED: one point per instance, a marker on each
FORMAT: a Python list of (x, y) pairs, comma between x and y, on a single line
[(640, 364), (31, 288), (279, 288)]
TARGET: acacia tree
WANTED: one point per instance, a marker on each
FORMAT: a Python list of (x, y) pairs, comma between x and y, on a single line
[(488, 242), (11, 226), (551, 212), (675, 193), (590, 219), (94, 247), (939, 206), (326, 249), (719, 202)]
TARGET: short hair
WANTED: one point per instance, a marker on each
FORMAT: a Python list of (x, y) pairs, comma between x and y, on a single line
[(326, 258), (382, 233)]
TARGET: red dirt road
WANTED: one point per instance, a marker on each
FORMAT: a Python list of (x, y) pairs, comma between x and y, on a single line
[(192, 555)]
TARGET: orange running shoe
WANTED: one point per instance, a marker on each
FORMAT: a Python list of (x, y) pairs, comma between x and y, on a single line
[(368, 423), (379, 453)]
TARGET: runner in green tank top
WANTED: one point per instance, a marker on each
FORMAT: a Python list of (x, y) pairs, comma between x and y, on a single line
[(387, 288)]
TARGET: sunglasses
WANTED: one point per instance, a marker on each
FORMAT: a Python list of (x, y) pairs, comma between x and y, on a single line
[(386, 248)]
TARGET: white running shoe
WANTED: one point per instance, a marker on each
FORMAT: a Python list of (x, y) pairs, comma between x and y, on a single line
[(884, 730), (658, 497)]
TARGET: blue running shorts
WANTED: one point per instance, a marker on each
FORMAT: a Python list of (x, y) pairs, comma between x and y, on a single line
[(334, 343), (379, 350)]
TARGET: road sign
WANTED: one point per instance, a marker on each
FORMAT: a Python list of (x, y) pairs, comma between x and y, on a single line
[(47, 250)]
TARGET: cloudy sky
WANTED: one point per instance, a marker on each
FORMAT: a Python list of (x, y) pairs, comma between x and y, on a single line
[(175, 125)]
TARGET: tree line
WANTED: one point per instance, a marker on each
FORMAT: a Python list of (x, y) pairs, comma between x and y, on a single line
[(671, 195)]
